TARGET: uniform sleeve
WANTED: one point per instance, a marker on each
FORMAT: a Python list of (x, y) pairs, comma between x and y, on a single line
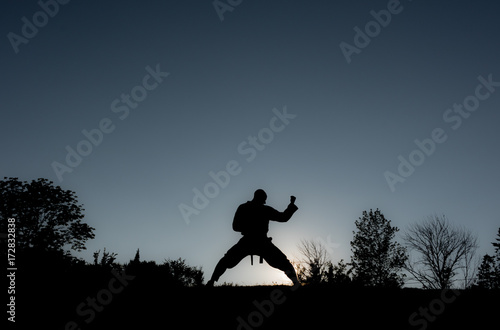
[(282, 216), (238, 220)]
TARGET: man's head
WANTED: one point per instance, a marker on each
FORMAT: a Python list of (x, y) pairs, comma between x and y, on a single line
[(259, 196)]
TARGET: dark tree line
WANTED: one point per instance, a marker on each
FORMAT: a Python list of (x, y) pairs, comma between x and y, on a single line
[(49, 226), (435, 253)]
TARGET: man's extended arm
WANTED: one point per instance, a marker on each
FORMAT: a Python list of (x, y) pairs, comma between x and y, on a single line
[(285, 215)]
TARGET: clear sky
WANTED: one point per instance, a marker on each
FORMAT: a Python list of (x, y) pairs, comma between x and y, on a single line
[(155, 95)]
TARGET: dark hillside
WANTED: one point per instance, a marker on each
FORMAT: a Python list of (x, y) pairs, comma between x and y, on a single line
[(147, 303)]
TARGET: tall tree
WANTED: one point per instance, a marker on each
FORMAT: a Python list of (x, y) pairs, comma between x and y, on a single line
[(377, 258), (48, 218), (441, 253)]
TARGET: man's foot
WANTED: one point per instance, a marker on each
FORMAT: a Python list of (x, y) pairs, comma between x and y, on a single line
[(210, 284), (292, 275), (296, 283)]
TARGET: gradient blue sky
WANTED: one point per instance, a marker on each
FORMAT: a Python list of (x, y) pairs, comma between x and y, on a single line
[(225, 78)]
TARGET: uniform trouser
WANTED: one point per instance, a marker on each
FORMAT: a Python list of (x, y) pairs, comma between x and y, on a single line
[(255, 246)]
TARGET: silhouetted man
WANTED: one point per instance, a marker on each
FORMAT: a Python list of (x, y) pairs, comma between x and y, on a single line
[(252, 220)]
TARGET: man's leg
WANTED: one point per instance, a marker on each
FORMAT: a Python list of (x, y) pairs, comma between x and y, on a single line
[(277, 259), (232, 257)]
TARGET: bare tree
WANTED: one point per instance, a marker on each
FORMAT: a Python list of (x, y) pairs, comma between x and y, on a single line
[(470, 265), (313, 267), (440, 253)]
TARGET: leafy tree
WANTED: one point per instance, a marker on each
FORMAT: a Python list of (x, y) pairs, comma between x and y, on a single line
[(488, 276), (48, 218), (441, 253), (377, 259)]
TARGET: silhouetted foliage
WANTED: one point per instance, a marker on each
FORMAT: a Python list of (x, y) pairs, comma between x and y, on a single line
[(488, 276), (313, 268), (107, 259), (377, 259), (316, 269), (497, 244), (339, 275), (136, 266), (146, 268), (442, 253), (179, 273), (49, 225), (47, 217), (488, 273), (172, 272), (137, 257)]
